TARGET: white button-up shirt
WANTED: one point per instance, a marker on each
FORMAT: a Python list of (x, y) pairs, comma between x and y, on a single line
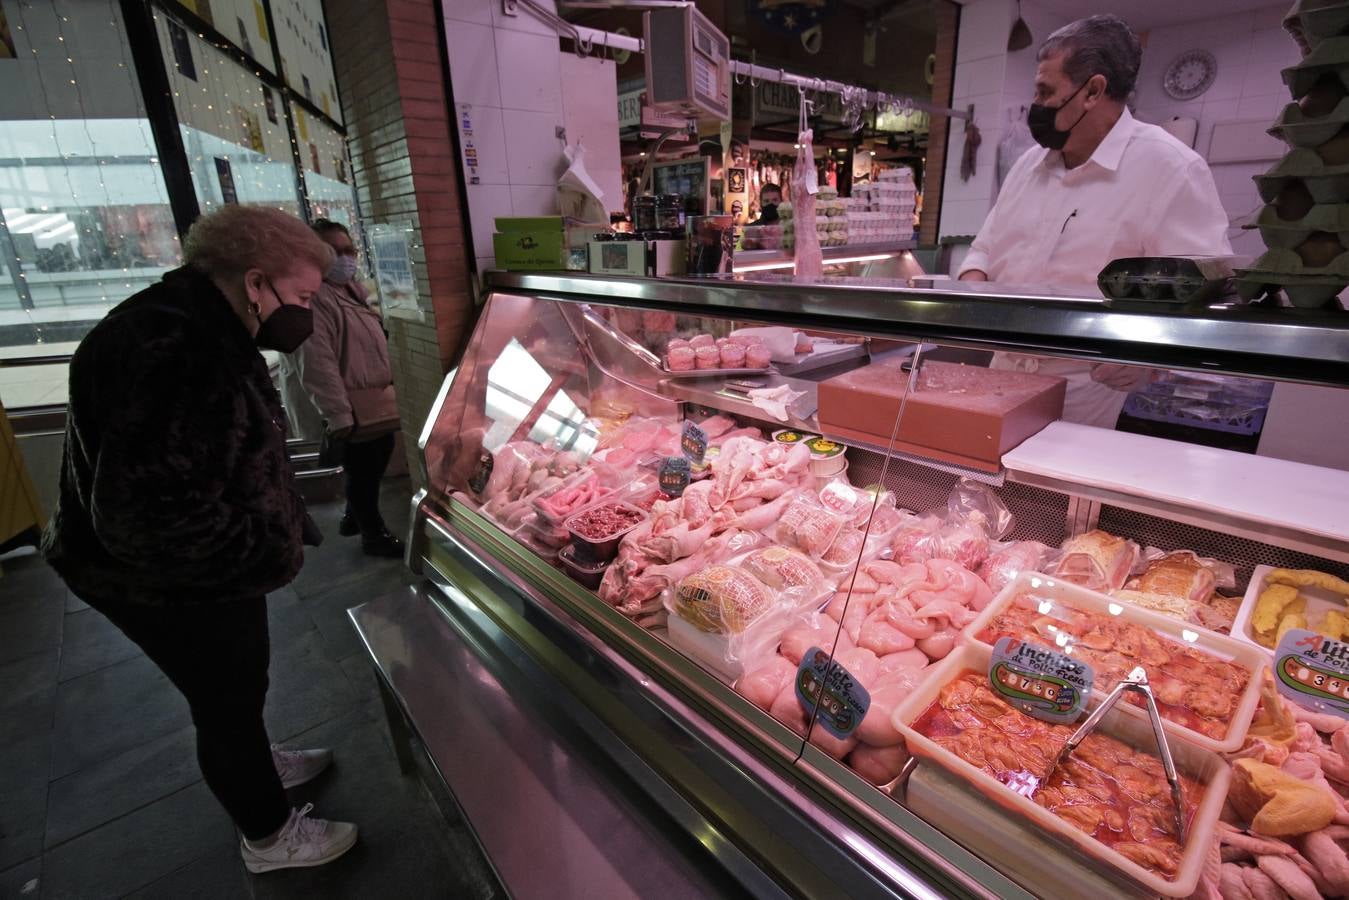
[(1142, 193)]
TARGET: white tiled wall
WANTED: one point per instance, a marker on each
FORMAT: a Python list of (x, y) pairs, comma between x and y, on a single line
[(995, 81), (508, 68), (1250, 48)]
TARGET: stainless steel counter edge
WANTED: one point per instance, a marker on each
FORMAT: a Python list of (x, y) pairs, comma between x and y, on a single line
[(1300, 345), (824, 798)]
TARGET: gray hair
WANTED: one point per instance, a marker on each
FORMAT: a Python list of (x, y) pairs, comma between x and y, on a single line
[(1098, 45)]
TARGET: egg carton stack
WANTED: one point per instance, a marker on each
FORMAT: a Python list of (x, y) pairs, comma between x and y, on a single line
[(890, 203), (1305, 221), (831, 220)]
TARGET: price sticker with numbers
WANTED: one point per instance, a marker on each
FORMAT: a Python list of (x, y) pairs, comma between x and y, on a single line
[(1312, 670), (1040, 682)]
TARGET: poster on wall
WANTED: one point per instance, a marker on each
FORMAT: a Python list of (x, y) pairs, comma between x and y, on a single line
[(182, 50), (250, 129), (7, 50), (225, 174), (392, 264), (269, 101)]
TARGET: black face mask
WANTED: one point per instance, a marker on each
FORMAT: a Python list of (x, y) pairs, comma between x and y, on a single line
[(287, 327), (1040, 119)]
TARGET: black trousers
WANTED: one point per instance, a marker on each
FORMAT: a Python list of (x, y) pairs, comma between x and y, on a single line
[(365, 463), (217, 654)]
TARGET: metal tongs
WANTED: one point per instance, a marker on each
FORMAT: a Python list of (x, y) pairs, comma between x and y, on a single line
[(1137, 682)]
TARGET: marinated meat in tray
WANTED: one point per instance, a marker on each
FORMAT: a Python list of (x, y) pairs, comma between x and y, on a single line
[(1193, 689), (1117, 794)]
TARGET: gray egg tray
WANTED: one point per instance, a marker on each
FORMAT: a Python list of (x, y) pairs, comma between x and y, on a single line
[(1312, 22), (1281, 234)]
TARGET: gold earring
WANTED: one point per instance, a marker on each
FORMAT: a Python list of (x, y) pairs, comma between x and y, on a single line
[(254, 307)]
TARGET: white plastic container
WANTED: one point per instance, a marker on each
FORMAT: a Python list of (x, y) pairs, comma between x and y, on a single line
[(1060, 595), (1123, 723), (1319, 602)]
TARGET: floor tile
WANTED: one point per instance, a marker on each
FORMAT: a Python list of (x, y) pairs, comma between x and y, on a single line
[(23, 881), (112, 710), (120, 784), (328, 609), (287, 617), (92, 642), (27, 695), (363, 680), (219, 875), (138, 849), (30, 623), (22, 816), (307, 688)]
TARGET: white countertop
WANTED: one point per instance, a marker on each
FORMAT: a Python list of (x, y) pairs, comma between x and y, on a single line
[(1310, 499)]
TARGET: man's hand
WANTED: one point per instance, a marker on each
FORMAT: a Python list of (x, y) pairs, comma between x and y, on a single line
[(1121, 378)]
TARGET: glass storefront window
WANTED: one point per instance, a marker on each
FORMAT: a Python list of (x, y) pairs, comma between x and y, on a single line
[(323, 157), (84, 205), (233, 131)]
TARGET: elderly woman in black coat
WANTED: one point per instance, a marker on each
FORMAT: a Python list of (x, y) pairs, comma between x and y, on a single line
[(178, 509)]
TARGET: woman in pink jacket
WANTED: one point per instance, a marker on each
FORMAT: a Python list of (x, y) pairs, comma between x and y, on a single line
[(344, 369)]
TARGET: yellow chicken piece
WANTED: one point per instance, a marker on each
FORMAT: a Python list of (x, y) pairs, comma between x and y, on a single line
[(1308, 578), (1276, 803), (1336, 625), (1287, 623), (1269, 608)]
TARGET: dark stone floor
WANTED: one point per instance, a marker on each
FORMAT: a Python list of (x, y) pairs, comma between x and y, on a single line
[(100, 795)]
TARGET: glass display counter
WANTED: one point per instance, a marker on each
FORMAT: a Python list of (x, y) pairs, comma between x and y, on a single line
[(807, 553)]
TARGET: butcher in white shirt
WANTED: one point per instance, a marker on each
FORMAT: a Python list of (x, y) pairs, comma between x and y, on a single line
[(1100, 186)]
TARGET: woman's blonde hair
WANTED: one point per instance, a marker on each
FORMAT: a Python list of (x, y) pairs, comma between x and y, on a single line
[(234, 239)]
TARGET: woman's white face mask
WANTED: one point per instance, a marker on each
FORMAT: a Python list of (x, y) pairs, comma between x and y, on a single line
[(342, 270)]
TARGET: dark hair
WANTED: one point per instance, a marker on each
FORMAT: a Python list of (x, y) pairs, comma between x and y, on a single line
[(769, 186), (325, 227), (1098, 45)]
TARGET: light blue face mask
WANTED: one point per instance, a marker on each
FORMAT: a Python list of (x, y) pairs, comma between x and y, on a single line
[(342, 270)]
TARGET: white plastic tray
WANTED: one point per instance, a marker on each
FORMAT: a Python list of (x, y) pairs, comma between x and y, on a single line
[(714, 373), (1303, 498), (1063, 594), (1319, 602), (1198, 763)]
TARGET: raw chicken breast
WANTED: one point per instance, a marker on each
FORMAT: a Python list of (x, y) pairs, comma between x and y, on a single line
[(787, 709), (878, 765), (862, 664), (877, 729), (880, 637), (822, 633), (762, 686)]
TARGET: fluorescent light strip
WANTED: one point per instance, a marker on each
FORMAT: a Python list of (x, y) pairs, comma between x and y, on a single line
[(787, 264)]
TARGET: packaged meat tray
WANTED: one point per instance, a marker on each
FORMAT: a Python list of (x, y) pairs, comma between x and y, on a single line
[(597, 531), (1110, 799), (1292, 598), (716, 373), (1206, 685)]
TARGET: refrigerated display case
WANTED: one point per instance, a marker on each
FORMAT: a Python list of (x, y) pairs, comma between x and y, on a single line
[(683, 616)]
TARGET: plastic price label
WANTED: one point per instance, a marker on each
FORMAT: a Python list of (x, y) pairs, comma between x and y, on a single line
[(1312, 671), (674, 475), (482, 471), (1040, 682), (693, 441), (842, 699)]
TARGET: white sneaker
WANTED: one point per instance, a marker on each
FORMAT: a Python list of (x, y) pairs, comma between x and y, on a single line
[(301, 842), (298, 766)]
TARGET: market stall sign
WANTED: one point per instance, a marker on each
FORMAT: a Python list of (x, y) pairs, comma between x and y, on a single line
[(773, 99), (1312, 670), (842, 700), (674, 475), (794, 16), (1043, 683)]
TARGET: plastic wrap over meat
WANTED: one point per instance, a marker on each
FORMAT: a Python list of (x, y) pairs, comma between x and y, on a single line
[(917, 538), (1097, 560), (808, 525), (1009, 560), (721, 599), (781, 567)]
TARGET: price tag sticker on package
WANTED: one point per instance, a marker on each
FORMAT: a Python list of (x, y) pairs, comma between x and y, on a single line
[(693, 441), (842, 700), (1312, 670), (673, 475), (1044, 683)]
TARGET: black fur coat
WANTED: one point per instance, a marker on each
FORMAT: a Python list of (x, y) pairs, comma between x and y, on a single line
[(175, 484)]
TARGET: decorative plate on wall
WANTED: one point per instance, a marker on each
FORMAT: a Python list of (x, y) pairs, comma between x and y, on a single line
[(1190, 74)]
